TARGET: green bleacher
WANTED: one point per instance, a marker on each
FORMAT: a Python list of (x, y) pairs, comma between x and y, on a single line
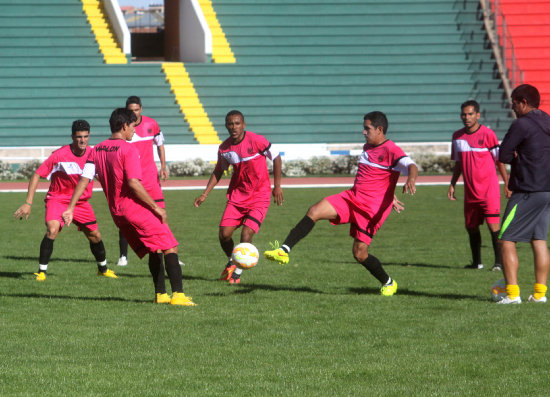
[(308, 71), (51, 73)]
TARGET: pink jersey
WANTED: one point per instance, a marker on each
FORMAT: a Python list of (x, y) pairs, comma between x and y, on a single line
[(377, 174), (250, 180), (147, 133), (114, 161), (477, 152), (63, 168)]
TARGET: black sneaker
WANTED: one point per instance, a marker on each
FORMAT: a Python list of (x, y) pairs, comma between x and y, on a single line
[(497, 267)]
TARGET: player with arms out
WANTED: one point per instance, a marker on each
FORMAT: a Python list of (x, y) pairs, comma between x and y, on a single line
[(115, 163), (366, 205), (475, 151), (249, 192), (63, 168), (147, 135)]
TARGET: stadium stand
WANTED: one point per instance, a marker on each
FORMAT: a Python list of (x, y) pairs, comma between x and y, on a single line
[(529, 30), (52, 72), (307, 71)]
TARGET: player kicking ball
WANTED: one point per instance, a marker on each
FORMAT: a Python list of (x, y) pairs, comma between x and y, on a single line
[(63, 168), (249, 192), (366, 205), (115, 163)]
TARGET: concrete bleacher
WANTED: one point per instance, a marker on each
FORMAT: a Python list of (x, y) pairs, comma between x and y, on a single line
[(308, 71), (51, 73)]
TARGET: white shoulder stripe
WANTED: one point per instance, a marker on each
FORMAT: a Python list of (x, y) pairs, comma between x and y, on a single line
[(234, 158), (68, 167), (462, 145)]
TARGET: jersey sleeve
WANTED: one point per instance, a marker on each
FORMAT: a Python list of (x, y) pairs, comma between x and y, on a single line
[(159, 139), (492, 144), (271, 152), (222, 163), (46, 167)]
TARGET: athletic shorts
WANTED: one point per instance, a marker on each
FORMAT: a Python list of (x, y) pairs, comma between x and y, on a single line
[(143, 230), (83, 216), (155, 191), (526, 217), (236, 216), (363, 223), (476, 212)]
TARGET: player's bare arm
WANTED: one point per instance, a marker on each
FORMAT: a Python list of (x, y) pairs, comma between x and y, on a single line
[(457, 171), (162, 157), (504, 175), (142, 195), (410, 184), (277, 176), (78, 191), (212, 182), (25, 209)]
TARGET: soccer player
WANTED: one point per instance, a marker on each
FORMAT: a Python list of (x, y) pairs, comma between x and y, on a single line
[(366, 205), (63, 168), (147, 134), (116, 164), (249, 192), (475, 150), (526, 147)]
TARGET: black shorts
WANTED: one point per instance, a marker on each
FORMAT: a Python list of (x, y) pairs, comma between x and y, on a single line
[(526, 217)]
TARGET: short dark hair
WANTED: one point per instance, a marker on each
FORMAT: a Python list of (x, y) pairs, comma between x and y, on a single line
[(377, 119), (233, 113), (119, 117), (471, 102), (133, 99), (527, 92), (80, 125)]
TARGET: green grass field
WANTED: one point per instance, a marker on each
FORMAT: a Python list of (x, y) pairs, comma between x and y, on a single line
[(317, 326)]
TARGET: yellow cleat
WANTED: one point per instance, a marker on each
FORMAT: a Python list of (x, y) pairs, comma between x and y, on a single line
[(389, 290), (162, 298), (179, 298), (277, 254), (41, 276), (109, 273)]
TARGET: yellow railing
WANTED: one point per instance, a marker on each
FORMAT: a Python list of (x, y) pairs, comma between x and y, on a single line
[(190, 105), (221, 51), (112, 53)]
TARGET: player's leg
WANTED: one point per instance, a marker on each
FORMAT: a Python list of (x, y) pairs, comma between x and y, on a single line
[(321, 210), (373, 265), (46, 248), (511, 265), (473, 216), (123, 250), (542, 266), (247, 233), (225, 234), (173, 269), (494, 229), (98, 251), (156, 268)]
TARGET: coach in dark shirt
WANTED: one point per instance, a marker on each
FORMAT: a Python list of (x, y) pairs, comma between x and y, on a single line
[(526, 147)]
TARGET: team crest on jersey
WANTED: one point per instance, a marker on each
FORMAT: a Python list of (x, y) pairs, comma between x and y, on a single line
[(480, 142), (381, 158), (149, 130), (250, 150)]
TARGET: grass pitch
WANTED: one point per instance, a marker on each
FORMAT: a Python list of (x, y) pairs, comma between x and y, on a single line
[(314, 327)]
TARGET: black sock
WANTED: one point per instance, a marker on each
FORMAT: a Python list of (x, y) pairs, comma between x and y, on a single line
[(227, 247), (475, 246), (46, 249), (373, 265), (157, 271), (98, 250), (301, 230), (122, 244), (173, 269), (496, 249)]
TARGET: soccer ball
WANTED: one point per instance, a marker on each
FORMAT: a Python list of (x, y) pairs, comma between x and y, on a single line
[(498, 290), (245, 255)]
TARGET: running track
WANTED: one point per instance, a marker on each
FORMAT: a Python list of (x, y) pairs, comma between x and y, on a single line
[(199, 184)]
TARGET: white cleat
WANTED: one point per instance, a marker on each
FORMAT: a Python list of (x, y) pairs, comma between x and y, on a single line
[(122, 261), (541, 300), (507, 301)]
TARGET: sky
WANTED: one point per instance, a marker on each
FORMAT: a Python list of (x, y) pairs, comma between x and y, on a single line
[(138, 3)]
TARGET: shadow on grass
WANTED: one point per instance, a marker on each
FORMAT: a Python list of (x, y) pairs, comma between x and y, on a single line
[(14, 274), (83, 298), (248, 288), (406, 264), (34, 259), (405, 291)]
